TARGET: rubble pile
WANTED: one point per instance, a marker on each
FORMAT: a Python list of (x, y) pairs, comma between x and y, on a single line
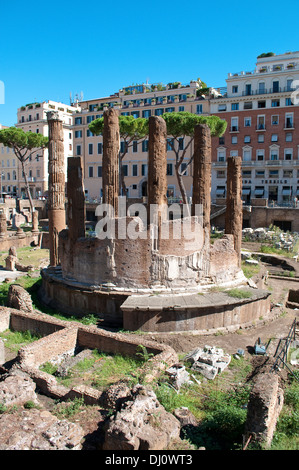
[(208, 361), (278, 238)]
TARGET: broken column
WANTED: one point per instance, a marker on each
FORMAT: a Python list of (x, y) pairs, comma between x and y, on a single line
[(234, 204), (3, 225), (157, 170), (110, 161), (75, 198), (202, 173), (35, 222), (56, 198)]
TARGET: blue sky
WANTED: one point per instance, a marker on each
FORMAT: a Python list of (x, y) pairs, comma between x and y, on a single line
[(52, 49)]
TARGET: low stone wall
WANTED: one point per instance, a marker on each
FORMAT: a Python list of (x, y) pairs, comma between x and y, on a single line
[(202, 313), (264, 406), (62, 337), (26, 239)]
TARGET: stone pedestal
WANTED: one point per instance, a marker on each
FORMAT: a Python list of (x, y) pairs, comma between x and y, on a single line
[(234, 203), (56, 199), (3, 225), (35, 222)]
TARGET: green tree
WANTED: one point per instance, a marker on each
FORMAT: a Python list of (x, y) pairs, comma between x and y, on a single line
[(180, 125), (130, 129), (25, 145)]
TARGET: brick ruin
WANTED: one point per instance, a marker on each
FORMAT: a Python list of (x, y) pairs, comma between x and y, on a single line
[(97, 275)]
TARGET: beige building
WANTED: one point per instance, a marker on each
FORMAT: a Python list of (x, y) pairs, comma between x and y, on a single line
[(33, 117), (9, 170), (138, 101)]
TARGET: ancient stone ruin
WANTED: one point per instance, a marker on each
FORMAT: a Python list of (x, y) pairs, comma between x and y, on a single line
[(145, 270)]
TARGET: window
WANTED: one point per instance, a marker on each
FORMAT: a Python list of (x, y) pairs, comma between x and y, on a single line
[(122, 147), (221, 174), (259, 173), (288, 173), (221, 140), (290, 85), (289, 137), (78, 150), (235, 106), (147, 113), (159, 111), (234, 124), (221, 107), (221, 155), (275, 86), (78, 121), (170, 143), (288, 154), (274, 155), (261, 138), (199, 109), (169, 169), (144, 169), (135, 146), (89, 119), (90, 149), (248, 89), (261, 88), (135, 114), (289, 102), (246, 174), (260, 155), (273, 173), (289, 123), (181, 108), (261, 104), (134, 170), (99, 172), (261, 123), (184, 169), (274, 138), (247, 122), (144, 145), (275, 103), (234, 139), (100, 148), (247, 105), (274, 120), (78, 134), (125, 169), (235, 89), (247, 139), (181, 143), (169, 110), (89, 133), (246, 155)]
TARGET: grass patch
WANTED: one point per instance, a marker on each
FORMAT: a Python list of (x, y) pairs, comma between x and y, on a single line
[(14, 340), (250, 270), (101, 370), (239, 293)]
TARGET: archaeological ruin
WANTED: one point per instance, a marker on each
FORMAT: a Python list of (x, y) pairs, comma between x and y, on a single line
[(146, 270)]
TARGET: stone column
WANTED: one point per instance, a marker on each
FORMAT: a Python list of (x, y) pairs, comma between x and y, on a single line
[(3, 225), (56, 197), (110, 161), (234, 203), (75, 198), (202, 173), (157, 170), (35, 222)]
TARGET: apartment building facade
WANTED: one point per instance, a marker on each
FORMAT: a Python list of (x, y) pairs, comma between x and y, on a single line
[(33, 117), (9, 170), (138, 101), (262, 113)]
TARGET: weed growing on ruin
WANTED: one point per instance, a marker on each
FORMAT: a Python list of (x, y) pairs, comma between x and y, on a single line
[(69, 408), (239, 293)]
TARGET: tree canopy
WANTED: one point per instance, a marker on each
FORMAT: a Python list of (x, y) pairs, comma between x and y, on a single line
[(25, 145)]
